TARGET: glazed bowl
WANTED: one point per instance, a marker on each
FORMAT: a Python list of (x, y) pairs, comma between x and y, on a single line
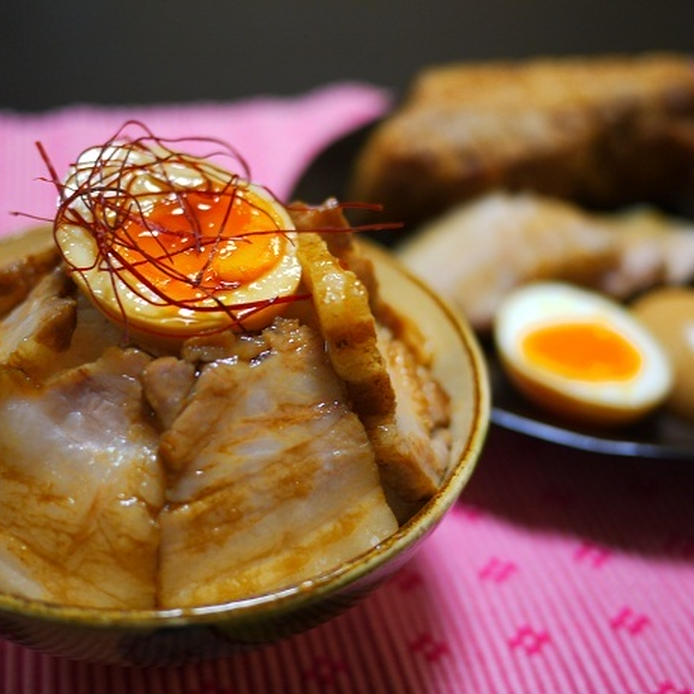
[(149, 637)]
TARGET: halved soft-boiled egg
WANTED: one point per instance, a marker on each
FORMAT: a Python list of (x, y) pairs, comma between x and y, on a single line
[(579, 354), (173, 245)]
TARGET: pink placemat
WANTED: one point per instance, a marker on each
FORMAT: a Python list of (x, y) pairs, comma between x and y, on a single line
[(558, 571), (277, 136)]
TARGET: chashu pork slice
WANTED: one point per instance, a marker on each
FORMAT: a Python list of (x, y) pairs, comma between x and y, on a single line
[(39, 328), (80, 486), (387, 379), (52, 330), (273, 477), (412, 442), (24, 259)]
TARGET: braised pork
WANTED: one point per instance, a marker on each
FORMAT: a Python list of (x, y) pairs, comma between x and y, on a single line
[(384, 368), (601, 130), (39, 327), (24, 259), (80, 486), (167, 382), (272, 478), (478, 252), (411, 442)]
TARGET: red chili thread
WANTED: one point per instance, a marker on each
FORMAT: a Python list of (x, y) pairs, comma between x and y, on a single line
[(103, 189)]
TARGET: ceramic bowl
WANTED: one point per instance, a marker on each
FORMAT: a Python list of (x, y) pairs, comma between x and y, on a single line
[(148, 637)]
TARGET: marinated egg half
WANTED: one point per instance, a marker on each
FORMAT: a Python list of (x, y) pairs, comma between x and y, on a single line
[(173, 245), (580, 355)]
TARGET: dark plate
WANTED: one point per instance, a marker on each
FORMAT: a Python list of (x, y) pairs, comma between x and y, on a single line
[(661, 435)]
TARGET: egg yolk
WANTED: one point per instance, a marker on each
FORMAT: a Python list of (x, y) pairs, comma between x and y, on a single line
[(193, 244), (582, 351)]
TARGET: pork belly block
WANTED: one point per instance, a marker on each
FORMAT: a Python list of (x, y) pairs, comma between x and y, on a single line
[(273, 477), (80, 486), (599, 130)]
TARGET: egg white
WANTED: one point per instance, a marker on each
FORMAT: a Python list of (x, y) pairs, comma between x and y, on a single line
[(148, 312), (597, 401)]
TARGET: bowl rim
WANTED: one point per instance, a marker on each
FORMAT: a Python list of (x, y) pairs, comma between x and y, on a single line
[(293, 597)]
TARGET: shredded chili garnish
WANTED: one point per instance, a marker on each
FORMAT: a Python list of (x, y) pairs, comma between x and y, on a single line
[(102, 199)]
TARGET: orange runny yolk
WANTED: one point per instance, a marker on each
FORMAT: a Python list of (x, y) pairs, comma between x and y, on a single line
[(582, 351), (190, 245)]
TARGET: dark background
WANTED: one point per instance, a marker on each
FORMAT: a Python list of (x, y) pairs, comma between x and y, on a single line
[(56, 52)]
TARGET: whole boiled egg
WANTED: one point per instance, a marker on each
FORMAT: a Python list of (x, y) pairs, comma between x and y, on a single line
[(580, 355), (668, 312), (173, 245)]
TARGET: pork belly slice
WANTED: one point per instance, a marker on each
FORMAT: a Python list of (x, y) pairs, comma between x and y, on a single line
[(39, 327), (384, 367), (273, 479), (93, 334), (478, 252), (80, 486), (412, 441), (330, 218), (341, 303), (652, 249), (167, 381), (351, 257), (51, 330), (24, 259)]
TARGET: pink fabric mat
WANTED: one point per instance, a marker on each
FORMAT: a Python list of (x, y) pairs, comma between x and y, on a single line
[(277, 136), (558, 571)]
